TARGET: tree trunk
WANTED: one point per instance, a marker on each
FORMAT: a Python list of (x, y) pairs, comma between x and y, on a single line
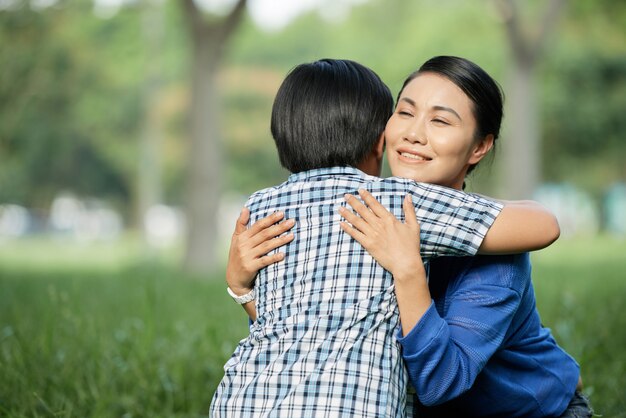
[(521, 160), (149, 170), (205, 154), (205, 165), (521, 153)]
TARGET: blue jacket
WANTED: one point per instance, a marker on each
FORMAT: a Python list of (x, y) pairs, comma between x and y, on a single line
[(481, 349)]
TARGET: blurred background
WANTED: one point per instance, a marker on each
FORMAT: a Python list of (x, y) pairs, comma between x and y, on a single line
[(132, 132)]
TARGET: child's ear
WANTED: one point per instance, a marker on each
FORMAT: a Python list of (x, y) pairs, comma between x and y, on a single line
[(373, 161), (481, 149), (379, 148)]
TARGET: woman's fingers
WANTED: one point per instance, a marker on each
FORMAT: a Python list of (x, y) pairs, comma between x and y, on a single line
[(266, 222), (265, 232), (360, 208), (268, 260), (271, 244), (353, 232), (242, 221), (356, 221), (373, 204), (409, 213)]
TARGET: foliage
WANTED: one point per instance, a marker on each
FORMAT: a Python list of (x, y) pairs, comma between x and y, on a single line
[(106, 336), (584, 94), (71, 85), (63, 110)]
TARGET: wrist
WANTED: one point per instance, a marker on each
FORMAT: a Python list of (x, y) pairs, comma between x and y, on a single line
[(239, 290), (236, 284), (409, 273), (242, 299)]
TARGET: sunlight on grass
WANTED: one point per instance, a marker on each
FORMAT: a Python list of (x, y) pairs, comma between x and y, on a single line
[(66, 254)]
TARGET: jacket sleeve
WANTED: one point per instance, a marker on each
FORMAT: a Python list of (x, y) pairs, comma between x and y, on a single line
[(444, 355)]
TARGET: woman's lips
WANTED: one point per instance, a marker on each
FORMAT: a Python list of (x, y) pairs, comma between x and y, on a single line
[(413, 156)]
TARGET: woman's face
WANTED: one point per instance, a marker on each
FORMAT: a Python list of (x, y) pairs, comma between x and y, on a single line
[(430, 136)]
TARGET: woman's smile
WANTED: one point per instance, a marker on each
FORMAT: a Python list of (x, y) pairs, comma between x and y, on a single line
[(412, 156), (431, 135)]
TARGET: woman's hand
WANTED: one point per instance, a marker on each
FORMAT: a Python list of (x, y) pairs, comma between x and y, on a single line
[(395, 245), (248, 248)]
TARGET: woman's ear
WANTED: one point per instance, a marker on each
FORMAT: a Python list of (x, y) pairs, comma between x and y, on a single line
[(482, 147)]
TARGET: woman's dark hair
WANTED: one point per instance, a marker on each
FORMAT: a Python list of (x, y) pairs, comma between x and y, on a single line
[(484, 92), (329, 113)]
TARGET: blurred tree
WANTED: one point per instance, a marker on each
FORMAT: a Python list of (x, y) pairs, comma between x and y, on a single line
[(521, 158), (58, 124), (588, 132), (584, 96), (149, 171), (74, 88), (205, 170)]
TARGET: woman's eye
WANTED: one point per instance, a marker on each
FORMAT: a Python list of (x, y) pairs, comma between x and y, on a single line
[(404, 113), (440, 121)]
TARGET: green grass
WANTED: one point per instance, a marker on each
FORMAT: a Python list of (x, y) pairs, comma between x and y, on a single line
[(113, 341), (581, 289), (98, 331)]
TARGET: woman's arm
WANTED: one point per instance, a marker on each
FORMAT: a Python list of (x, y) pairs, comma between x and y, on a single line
[(443, 358), (444, 355), (522, 226), (394, 245), (248, 249)]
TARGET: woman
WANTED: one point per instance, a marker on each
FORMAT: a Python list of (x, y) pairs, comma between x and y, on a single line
[(471, 336)]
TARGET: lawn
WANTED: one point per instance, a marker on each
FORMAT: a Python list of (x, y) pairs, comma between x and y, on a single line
[(107, 331)]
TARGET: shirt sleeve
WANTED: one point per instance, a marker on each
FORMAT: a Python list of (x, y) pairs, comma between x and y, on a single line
[(444, 355), (452, 222)]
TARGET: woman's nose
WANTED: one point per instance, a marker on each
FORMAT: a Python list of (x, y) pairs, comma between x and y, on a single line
[(415, 134)]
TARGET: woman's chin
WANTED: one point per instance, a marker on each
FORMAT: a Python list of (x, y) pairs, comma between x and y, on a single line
[(414, 174)]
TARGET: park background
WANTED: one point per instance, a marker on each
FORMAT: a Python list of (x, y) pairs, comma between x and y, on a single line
[(131, 132)]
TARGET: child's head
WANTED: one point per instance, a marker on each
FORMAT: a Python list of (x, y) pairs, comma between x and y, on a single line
[(329, 113)]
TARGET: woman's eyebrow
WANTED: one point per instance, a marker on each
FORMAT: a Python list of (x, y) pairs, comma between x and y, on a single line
[(447, 109), (438, 107), (409, 101)]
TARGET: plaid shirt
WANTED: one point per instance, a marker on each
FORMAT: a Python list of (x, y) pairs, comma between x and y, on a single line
[(323, 344)]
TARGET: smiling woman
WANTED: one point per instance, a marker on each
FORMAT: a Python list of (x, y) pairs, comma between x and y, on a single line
[(440, 132)]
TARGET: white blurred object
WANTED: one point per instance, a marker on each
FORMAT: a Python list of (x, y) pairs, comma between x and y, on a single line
[(65, 213), (164, 225), (86, 221), (14, 221), (575, 210), (98, 224), (615, 209)]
